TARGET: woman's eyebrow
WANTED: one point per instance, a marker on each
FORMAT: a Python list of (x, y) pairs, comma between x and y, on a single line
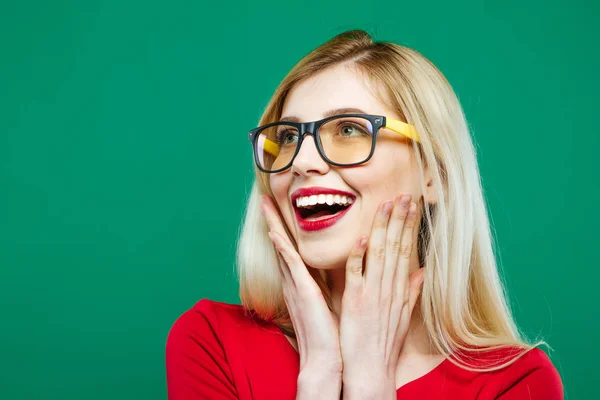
[(347, 110), (327, 114), (289, 119)]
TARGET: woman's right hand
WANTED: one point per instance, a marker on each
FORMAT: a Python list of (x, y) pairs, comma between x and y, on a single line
[(316, 327)]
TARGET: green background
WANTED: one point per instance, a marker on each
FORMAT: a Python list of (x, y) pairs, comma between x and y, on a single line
[(118, 210)]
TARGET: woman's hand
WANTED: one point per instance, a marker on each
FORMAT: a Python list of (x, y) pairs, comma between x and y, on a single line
[(377, 306), (316, 327)]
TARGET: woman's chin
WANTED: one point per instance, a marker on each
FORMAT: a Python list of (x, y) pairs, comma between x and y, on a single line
[(325, 254), (323, 259)]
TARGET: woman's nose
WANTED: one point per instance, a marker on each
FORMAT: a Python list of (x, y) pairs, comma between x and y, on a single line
[(308, 160)]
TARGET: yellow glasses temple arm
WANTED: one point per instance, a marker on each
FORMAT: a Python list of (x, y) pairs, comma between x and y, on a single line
[(271, 147), (402, 128)]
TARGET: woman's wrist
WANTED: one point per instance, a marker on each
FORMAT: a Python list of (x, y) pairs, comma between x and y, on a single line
[(319, 384), (367, 385)]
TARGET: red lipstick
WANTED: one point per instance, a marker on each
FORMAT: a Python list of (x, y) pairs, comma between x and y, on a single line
[(324, 222)]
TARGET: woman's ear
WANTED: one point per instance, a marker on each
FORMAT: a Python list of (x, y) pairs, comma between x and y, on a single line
[(430, 195)]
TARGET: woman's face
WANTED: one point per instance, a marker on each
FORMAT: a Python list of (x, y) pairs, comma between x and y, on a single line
[(390, 172)]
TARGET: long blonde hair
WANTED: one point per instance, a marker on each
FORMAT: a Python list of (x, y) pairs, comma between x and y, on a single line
[(463, 302)]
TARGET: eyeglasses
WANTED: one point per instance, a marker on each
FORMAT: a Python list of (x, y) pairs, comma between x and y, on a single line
[(342, 140)]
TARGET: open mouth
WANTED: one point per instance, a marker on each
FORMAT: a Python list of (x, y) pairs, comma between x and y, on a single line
[(318, 208), (322, 206)]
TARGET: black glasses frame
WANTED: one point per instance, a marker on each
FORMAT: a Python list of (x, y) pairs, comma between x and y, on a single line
[(312, 128)]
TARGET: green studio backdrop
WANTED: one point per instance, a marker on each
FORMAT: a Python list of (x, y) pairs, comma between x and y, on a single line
[(124, 167)]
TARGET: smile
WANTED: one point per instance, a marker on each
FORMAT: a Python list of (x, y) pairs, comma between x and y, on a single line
[(318, 208)]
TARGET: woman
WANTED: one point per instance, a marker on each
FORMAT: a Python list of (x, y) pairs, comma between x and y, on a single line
[(365, 261)]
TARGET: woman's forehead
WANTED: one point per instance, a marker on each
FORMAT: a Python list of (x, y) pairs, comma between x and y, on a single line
[(335, 88)]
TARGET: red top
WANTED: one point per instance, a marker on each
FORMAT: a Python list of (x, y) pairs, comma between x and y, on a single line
[(218, 351)]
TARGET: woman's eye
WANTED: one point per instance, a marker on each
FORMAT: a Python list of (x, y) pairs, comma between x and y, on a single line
[(287, 137), (347, 130), (351, 130), (290, 138)]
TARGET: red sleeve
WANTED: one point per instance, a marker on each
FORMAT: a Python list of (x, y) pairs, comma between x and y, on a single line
[(195, 359), (540, 382)]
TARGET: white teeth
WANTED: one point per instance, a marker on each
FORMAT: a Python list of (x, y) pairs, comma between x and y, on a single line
[(329, 199)]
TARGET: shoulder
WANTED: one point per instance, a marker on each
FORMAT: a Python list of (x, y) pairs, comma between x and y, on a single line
[(532, 376), (534, 359), (535, 371), (209, 311), (225, 351), (228, 328), (208, 318), (196, 360)]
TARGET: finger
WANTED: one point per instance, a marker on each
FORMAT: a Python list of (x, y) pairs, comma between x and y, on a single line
[(298, 273), (403, 314), (284, 270), (354, 265), (272, 217), (394, 240), (285, 256), (415, 286), (406, 248), (376, 247)]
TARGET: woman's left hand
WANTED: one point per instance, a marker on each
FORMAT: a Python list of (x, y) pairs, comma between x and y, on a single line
[(377, 306)]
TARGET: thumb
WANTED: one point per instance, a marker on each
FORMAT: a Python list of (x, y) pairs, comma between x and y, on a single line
[(414, 287)]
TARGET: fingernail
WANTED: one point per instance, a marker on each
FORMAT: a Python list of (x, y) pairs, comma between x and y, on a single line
[(387, 207), (363, 242), (405, 200)]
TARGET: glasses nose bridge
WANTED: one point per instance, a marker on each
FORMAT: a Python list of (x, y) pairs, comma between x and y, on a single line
[(308, 128)]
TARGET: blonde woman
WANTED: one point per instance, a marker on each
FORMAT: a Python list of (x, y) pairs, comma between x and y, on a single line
[(366, 263)]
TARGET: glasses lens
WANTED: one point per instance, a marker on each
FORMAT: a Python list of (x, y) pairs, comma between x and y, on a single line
[(347, 140), (275, 146)]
